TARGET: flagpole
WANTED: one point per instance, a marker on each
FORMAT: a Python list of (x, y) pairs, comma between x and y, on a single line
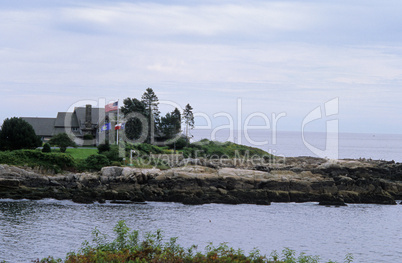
[(117, 122)]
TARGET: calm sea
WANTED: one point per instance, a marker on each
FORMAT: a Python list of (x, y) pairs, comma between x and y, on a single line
[(372, 233), (290, 144)]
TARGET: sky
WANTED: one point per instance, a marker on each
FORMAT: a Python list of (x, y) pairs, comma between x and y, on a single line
[(234, 62)]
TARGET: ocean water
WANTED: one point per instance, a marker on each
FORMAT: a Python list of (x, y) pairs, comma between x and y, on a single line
[(372, 233), (290, 144)]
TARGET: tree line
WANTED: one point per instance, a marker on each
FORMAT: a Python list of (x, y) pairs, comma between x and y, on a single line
[(145, 123)]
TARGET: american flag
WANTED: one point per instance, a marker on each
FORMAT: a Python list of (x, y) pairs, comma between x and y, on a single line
[(111, 106)]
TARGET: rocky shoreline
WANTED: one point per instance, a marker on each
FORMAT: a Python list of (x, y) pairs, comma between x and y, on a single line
[(197, 181)]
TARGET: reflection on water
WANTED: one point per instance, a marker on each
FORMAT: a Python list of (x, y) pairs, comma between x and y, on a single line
[(36, 229)]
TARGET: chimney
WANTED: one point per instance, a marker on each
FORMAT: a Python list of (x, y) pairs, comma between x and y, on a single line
[(88, 116)]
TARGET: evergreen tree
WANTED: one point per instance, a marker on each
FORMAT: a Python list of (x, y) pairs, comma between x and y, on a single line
[(170, 124), (151, 102), (132, 110), (133, 105), (176, 118), (17, 134), (188, 117)]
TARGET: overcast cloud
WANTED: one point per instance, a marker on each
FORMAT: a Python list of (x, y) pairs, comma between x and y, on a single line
[(276, 56)]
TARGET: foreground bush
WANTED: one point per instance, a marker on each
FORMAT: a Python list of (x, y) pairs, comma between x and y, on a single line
[(127, 247), (112, 154), (95, 162)]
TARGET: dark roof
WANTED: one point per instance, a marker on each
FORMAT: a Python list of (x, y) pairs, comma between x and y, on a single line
[(66, 119), (42, 126), (47, 127), (98, 115)]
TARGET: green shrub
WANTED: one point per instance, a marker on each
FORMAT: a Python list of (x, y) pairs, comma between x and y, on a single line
[(127, 247), (36, 158), (96, 162), (113, 153), (180, 143), (103, 147), (62, 140), (8, 157), (143, 148), (46, 148)]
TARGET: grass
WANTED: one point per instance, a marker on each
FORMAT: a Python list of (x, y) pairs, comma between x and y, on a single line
[(213, 149), (127, 247), (79, 153)]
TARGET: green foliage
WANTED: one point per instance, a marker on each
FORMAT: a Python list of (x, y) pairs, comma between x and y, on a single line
[(170, 125), (17, 134), (46, 148), (112, 154), (142, 158), (80, 153), (144, 121), (180, 143), (188, 117), (151, 102), (36, 158), (134, 129), (212, 149), (103, 147), (127, 247), (143, 149), (133, 105), (72, 160), (96, 162), (62, 140), (348, 258), (135, 112)]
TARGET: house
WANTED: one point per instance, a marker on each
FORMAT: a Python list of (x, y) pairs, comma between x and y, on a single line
[(83, 121)]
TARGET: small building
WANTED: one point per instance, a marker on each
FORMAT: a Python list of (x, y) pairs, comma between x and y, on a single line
[(83, 121)]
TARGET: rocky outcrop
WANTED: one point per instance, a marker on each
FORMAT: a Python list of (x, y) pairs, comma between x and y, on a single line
[(302, 179)]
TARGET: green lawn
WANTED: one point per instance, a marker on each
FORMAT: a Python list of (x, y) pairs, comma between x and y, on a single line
[(79, 153)]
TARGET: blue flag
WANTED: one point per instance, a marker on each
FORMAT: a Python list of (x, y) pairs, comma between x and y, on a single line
[(106, 127)]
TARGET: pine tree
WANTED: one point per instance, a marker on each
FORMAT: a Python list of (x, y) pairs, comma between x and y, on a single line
[(151, 102), (170, 124), (134, 110), (188, 117)]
